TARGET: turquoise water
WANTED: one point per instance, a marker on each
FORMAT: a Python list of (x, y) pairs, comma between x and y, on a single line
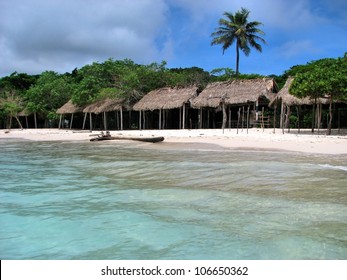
[(130, 201)]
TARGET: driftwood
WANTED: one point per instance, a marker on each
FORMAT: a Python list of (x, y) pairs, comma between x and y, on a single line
[(151, 139)]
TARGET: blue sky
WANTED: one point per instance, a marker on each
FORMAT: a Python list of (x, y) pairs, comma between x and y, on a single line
[(59, 35)]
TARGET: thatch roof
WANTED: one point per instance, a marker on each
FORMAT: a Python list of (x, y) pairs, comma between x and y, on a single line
[(166, 98), (235, 92), (106, 105), (69, 108), (291, 100), (24, 113)]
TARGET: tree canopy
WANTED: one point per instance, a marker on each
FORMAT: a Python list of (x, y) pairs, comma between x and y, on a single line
[(325, 78)]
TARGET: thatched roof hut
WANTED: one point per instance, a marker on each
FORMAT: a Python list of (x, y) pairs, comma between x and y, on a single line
[(69, 108), (166, 98), (235, 92), (106, 105), (24, 113), (291, 100)]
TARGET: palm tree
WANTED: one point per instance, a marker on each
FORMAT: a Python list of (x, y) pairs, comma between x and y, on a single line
[(237, 28)]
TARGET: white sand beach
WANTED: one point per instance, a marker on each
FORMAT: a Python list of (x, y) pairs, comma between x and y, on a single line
[(255, 138)]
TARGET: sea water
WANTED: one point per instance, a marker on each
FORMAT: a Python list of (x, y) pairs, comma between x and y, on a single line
[(117, 200)]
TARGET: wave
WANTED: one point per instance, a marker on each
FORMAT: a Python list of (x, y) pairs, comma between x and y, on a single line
[(339, 167)]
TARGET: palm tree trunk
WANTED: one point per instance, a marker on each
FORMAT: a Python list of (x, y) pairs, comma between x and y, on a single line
[(237, 58)]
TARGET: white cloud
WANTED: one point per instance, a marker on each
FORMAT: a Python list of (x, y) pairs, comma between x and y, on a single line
[(40, 33)]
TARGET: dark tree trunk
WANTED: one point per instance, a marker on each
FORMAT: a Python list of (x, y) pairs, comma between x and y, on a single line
[(237, 59)]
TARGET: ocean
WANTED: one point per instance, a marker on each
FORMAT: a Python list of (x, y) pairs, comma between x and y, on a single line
[(117, 200)]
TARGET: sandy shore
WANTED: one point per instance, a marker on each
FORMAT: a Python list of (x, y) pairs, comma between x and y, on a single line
[(304, 142)]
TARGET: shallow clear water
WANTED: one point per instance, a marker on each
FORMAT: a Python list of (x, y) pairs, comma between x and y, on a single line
[(130, 201)]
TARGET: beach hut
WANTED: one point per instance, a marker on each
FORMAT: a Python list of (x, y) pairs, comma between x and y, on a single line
[(68, 108), (288, 101), (164, 99), (241, 93), (104, 106)]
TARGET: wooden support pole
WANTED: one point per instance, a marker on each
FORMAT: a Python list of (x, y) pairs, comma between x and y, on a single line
[(71, 120), (247, 118), (184, 116), (238, 119), (84, 120), (60, 119), (90, 122), (140, 125), (159, 118), (35, 119), (121, 118)]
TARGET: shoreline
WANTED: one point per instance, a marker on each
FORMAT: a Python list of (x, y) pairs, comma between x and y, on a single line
[(214, 139)]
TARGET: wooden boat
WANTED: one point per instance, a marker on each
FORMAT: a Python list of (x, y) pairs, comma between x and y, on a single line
[(151, 139)]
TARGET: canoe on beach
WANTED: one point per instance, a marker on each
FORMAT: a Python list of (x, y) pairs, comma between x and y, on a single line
[(151, 139)]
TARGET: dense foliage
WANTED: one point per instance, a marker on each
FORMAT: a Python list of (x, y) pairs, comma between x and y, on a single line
[(325, 78)]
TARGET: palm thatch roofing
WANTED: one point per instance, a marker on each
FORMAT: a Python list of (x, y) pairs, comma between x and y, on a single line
[(166, 98), (24, 113), (105, 105), (291, 100), (69, 108), (235, 92)]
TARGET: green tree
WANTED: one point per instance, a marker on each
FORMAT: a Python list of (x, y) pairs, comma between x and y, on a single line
[(325, 78), (49, 93), (237, 28), (11, 105)]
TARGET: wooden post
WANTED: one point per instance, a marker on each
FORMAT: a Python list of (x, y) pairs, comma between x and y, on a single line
[(35, 118), (283, 111), (60, 119), (243, 117), (247, 118), (121, 118), (71, 120), (159, 118), (238, 119), (140, 126), (105, 121), (298, 112), (84, 120), (26, 121), (144, 120), (229, 118), (184, 116), (224, 117), (90, 122), (200, 118)]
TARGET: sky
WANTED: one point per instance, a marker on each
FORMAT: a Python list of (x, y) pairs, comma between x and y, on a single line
[(60, 35)]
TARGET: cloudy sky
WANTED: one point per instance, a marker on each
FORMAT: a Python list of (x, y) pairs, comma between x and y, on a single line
[(60, 35)]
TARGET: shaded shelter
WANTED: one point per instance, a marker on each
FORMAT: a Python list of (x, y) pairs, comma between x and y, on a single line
[(68, 108), (220, 95), (24, 113), (165, 99), (104, 106), (288, 100)]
